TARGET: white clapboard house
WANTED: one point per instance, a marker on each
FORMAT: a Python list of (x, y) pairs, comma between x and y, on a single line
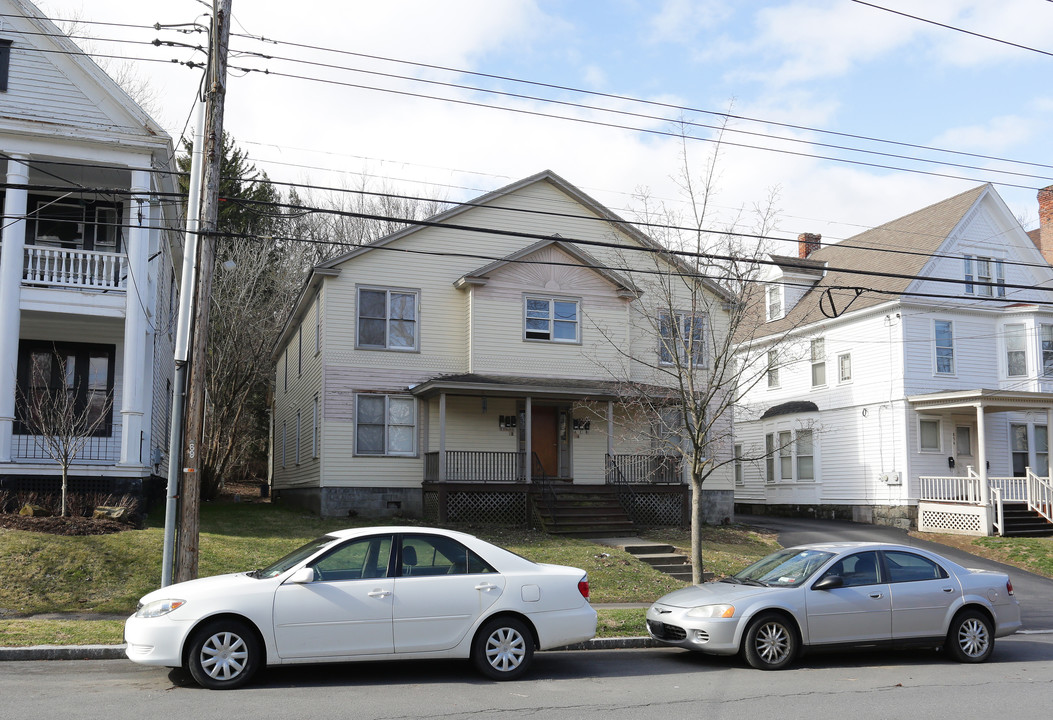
[(87, 286), (463, 374), (909, 374)]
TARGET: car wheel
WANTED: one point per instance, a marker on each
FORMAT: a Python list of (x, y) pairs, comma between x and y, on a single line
[(970, 638), (503, 648), (223, 654), (771, 642)]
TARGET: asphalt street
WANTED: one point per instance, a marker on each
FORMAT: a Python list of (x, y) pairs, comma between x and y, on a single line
[(1034, 591)]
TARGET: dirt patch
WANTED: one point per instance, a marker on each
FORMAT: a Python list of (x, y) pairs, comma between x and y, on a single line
[(62, 525)]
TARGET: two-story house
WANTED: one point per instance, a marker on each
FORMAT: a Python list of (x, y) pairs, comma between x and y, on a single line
[(909, 373), (419, 373), (87, 287)]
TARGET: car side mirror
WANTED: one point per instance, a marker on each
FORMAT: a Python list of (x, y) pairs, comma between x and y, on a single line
[(829, 583), (303, 575)]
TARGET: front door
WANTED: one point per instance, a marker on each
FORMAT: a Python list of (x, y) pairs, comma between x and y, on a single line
[(544, 431)]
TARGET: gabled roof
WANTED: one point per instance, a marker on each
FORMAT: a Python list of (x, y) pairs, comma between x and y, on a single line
[(919, 234), (480, 276)]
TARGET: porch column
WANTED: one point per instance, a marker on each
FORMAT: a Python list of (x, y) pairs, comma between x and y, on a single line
[(981, 456), (444, 511), (1049, 440), (137, 218), (529, 460), (11, 253), (610, 428)]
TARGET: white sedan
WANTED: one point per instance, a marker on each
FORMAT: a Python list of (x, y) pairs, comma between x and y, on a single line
[(839, 596), (366, 594)]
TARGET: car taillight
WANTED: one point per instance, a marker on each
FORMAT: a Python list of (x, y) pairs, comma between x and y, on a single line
[(1009, 586), (583, 587)]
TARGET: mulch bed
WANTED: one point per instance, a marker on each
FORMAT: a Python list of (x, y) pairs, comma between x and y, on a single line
[(63, 525)]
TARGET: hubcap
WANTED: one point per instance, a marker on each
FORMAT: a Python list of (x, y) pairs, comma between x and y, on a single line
[(773, 643), (223, 656), (973, 638), (505, 649)]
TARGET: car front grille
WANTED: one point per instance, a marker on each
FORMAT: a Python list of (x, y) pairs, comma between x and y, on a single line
[(663, 631)]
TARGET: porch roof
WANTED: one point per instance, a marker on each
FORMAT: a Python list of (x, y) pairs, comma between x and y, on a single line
[(520, 386), (986, 400)]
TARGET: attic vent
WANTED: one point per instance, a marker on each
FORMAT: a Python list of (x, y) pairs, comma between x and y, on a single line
[(5, 63)]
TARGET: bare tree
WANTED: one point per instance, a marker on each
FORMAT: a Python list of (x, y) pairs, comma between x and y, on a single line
[(62, 413), (699, 300)]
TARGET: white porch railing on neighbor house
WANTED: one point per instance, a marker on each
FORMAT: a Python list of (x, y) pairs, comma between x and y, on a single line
[(949, 489), (74, 268), (1040, 495), (1036, 491)]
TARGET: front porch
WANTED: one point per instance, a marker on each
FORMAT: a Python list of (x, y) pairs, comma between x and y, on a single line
[(973, 505)]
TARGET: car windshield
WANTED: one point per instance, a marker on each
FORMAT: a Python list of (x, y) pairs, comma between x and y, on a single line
[(295, 557), (786, 568)]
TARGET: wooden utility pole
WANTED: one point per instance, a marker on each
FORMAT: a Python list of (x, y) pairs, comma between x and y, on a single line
[(186, 554)]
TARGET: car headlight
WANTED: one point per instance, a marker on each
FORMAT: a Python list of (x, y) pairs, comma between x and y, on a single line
[(157, 608), (712, 611)]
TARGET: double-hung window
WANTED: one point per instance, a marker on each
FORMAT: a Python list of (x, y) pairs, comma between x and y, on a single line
[(984, 276), (805, 456), (929, 433), (682, 338), (1015, 350), (774, 305), (551, 319), (738, 465), (789, 456), (387, 319), (1047, 350), (773, 369), (385, 425), (818, 362), (844, 368), (943, 333)]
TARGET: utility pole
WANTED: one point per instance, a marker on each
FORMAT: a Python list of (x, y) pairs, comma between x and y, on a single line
[(190, 493)]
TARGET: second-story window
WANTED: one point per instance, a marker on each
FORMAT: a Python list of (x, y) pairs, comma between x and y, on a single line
[(943, 332), (773, 369), (774, 302), (818, 362), (682, 336), (844, 368), (1016, 350), (387, 319), (551, 319), (74, 225), (1047, 350)]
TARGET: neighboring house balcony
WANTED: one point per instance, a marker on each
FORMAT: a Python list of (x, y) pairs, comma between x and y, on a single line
[(972, 501), (75, 269)]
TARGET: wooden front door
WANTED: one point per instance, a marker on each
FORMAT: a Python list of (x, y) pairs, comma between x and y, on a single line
[(544, 431)]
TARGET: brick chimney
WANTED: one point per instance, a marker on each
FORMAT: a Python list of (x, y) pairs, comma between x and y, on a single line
[(808, 243), (1043, 236)]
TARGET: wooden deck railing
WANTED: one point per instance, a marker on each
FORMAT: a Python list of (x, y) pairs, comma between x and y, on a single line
[(475, 466)]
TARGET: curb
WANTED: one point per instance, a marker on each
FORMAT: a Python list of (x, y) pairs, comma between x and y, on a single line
[(116, 652)]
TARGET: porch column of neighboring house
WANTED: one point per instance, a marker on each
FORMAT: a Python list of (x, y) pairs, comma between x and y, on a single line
[(11, 254), (981, 457), (137, 298), (529, 460), (444, 512), (1049, 441), (610, 439)]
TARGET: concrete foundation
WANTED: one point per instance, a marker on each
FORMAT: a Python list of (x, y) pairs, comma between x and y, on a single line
[(899, 516)]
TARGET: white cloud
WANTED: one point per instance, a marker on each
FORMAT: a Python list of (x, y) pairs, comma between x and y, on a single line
[(682, 21)]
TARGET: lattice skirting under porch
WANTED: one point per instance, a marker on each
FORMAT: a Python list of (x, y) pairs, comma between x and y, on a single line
[(953, 519), (488, 506), (648, 508)]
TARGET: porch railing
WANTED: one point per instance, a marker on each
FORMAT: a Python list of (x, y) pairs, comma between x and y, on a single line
[(476, 466), (643, 469), (949, 489), (1040, 495), (100, 448), (74, 268)]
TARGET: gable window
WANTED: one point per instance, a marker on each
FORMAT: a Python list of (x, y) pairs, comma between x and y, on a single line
[(5, 63), (681, 338), (773, 369), (387, 319), (551, 319), (929, 435), (774, 302), (988, 275), (385, 425), (818, 362), (1015, 350), (82, 371), (844, 368), (943, 332)]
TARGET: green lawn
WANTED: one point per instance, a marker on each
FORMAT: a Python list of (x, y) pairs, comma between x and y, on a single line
[(109, 573)]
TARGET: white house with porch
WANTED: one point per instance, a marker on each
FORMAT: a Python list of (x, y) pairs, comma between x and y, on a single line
[(909, 375), (474, 365), (87, 285)]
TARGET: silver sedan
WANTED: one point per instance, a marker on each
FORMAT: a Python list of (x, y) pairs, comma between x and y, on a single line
[(840, 596)]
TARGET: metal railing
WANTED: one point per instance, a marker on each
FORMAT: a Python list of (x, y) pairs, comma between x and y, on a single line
[(476, 466), (104, 447), (74, 268), (643, 469)]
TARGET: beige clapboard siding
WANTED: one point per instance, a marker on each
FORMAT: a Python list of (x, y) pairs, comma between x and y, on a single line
[(304, 367)]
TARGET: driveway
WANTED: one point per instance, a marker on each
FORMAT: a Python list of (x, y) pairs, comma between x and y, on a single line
[(1034, 591)]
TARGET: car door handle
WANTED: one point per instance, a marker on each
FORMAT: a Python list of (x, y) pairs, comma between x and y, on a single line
[(877, 596), (485, 586), (948, 590), (379, 593)]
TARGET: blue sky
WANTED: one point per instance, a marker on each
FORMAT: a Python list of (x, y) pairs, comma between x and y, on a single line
[(825, 64)]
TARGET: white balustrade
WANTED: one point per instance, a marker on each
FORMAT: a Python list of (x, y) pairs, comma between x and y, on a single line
[(74, 268)]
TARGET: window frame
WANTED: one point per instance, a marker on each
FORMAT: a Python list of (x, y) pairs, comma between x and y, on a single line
[(387, 319), (817, 351), (1045, 341), (783, 456), (700, 321), (388, 397), (82, 354), (948, 348), (739, 479), (842, 376), (1017, 333), (922, 420), (551, 318), (773, 302), (773, 369)]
